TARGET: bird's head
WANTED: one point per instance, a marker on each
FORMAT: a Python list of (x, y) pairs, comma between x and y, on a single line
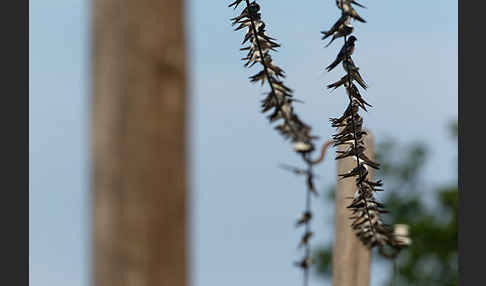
[(352, 39)]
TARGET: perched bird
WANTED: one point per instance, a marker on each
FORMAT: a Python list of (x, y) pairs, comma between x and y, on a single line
[(350, 127), (293, 169), (353, 70), (350, 110), (304, 263), (378, 183), (305, 238), (368, 161), (339, 82), (364, 160), (401, 233), (361, 171), (310, 184), (346, 51), (353, 2), (352, 151), (354, 93), (303, 147), (345, 6), (250, 11), (273, 70), (375, 186), (235, 4), (341, 28), (282, 112), (307, 216), (334, 27), (349, 136)]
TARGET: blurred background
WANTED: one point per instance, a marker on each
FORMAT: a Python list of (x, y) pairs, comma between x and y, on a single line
[(242, 207)]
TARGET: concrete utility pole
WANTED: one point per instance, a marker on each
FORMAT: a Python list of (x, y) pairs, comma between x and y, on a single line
[(139, 143), (350, 259)]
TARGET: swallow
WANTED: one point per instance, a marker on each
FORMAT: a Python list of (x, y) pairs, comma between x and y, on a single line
[(278, 85), (364, 160), (360, 176), (243, 24), (343, 142), (334, 27), (350, 110), (369, 162), (274, 101), (248, 12), (375, 186), (303, 147), (350, 136), (346, 134), (353, 71), (354, 2), (250, 34), (378, 183), (272, 69), (282, 112), (304, 263), (350, 128), (293, 169), (361, 170), (307, 216), (400, 232), (346, 51), (356, 96), (345, 6), (340, 29), (310, 184), (305, 238), (235, 4), (338, 83), (352, 151), (253, 55), (279, 72), (357, 4)]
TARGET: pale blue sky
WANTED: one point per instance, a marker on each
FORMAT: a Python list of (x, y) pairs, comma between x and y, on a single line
[(242, 210)]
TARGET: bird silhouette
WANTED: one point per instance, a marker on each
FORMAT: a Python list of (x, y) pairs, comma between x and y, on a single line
[(346, 51)]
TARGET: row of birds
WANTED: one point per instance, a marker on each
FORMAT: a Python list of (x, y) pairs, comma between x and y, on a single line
[(343, 28)]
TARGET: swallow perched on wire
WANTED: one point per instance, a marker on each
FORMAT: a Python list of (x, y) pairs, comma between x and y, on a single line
[(353, 71), (338, 83), (304, 263), (341, 28), (375, 186), (354, 93), (305, 238), (345, 6), (307, 216), (248, 12), (346, 51), (310, 184), (352, 151), (235, 4), (273, 70), (350, 110), (354, 2), (293, 169), (362, 171), (368, 161)]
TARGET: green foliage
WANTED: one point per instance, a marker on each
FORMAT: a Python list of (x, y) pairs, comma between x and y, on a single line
[(432, 257)]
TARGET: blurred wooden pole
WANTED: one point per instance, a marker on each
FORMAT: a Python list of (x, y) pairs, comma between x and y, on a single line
[(139, 135), (350, 259)]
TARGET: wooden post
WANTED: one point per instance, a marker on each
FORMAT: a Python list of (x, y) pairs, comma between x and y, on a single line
[(350, 259), (139, 143)]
